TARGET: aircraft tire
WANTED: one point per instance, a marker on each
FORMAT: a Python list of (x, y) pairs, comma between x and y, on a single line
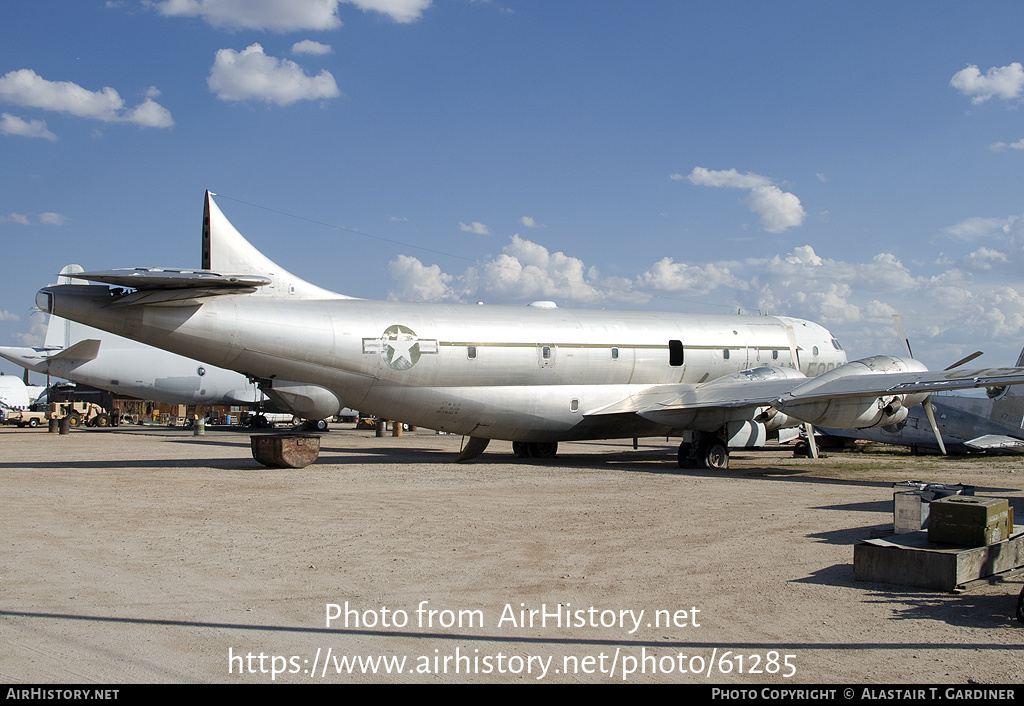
[(542, 449), (715, 455), (519, 449), (1020, 606), (685, 459)]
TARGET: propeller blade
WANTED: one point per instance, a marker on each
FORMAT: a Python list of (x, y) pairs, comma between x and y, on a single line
[(902, 333), (930, 413), (812, 445), (968, 359)]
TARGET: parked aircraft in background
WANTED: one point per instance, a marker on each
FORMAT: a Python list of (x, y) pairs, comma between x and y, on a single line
[(531, 375), (15, 394), (991, 423)]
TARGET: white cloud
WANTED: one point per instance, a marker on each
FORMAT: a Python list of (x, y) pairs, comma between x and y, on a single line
[(273, 15), (52, 219), (474, 227), (308, 46), (418, 282), (1002, 146), (251, 74), (727, 177), (20, 218), (974, 228), (778, 209), (26, 87), (8, 316), (399, 10), (13, 125), (528, 222), (285, 15), (1006, 82), (36, 333)]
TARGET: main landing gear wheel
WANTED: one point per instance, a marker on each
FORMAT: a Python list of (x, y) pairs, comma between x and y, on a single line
[(715, 455), (711, 453), (1020, 606), (686, 455), (535, 449)]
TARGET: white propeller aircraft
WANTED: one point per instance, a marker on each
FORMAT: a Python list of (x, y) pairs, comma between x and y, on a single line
[(532, 375)]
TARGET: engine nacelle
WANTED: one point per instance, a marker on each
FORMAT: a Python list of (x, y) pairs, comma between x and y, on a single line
[(858, 412), (304, 401)]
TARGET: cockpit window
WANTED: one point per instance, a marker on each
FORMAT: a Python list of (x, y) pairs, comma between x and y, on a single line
[(836, 345)]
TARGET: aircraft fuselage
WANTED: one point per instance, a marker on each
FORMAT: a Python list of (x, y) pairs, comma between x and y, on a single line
[(518, 373)]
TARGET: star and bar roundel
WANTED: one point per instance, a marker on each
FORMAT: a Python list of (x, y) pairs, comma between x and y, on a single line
[(399, 346)]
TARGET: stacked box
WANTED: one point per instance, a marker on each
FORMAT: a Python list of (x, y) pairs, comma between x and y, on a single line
[(969, 521)]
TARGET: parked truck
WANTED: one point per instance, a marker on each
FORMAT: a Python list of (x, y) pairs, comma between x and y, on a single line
[(78, 414)]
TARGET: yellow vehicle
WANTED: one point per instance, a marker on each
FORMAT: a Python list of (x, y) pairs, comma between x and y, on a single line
[(80, 414)]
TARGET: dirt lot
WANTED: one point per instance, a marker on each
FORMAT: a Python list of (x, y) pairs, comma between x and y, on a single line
[(152, 555)]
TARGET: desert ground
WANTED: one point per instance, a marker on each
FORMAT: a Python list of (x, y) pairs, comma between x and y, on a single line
[(148, 554)]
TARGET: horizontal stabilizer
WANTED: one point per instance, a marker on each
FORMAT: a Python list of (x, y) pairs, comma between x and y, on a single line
[(146, 278), (992, 442), (83, 350)]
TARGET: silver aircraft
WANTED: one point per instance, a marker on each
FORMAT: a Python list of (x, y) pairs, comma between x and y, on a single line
[(532, 375)]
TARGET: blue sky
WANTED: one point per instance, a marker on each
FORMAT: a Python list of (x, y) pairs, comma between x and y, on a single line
[(835, 161)]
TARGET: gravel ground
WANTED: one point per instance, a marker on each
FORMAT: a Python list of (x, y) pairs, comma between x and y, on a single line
[(152, 555)]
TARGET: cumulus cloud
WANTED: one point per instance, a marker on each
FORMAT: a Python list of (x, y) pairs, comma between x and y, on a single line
[(308, 46), (285, 15), (273, 15), (13, 125), (418, 282), (399, 10), (252, 75), (528, 222), (474, 227), (778, 209), (1006, 82), (25, 87)]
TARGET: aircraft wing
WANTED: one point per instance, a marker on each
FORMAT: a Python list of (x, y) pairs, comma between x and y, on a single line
[(675, 405), (993, 442)]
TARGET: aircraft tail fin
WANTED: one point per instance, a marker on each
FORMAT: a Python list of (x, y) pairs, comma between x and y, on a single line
[(225, 250)]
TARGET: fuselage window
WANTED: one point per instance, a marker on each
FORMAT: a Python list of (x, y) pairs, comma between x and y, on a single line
[(775, 355), (675, 353), (725, 353), (615, 353), (546, 352), (814, 350), (471, 352), (574, 405)]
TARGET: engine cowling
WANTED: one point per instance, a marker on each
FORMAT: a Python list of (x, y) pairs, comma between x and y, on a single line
[(858, 412)]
